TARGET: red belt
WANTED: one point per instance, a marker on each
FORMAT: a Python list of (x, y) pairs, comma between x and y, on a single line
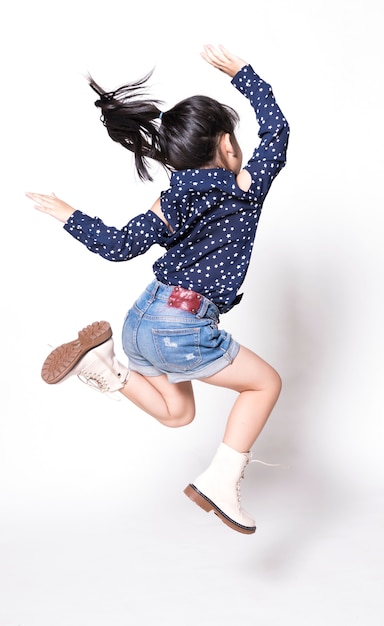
[(185, 299)]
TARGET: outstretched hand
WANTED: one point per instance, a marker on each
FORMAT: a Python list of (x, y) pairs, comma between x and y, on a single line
[(51, 205), (222, 59)]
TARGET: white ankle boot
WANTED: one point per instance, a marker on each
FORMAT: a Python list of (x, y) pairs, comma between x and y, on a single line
[(101, 369), (218, 489), (91, 357)]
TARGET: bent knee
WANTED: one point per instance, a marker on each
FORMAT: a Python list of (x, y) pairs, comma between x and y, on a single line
[(177, 421), (275, 382)]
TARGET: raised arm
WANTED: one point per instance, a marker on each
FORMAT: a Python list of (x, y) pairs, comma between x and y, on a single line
[(269, 155)]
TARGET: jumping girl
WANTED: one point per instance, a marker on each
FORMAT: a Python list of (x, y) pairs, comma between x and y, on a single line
[(206, 221)]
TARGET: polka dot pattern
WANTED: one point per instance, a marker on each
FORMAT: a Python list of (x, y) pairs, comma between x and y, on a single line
[(213, 222)]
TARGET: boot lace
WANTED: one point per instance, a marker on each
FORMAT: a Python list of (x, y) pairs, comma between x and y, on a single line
[(238, 488), (98, 382), (94, 381), (238, 484)]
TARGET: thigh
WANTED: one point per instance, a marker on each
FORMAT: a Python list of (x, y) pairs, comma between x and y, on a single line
[(182, 391), (179, 397), (248, 371)]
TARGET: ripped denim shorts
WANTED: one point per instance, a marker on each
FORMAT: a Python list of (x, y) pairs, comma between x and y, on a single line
[(184, 345)]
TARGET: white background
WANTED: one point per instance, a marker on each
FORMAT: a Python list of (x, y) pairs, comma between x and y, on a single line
[(94, 527)]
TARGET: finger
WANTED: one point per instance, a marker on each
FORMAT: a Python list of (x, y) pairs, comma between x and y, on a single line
[(41, 207), (226, 55), (212, 61), (213, 53), (218, 56), (36, 196)]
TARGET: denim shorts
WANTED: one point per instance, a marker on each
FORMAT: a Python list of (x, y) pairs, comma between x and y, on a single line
[(159, 339)]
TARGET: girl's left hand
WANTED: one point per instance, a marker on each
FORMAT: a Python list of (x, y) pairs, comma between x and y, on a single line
[(51, 205), (222, 59)]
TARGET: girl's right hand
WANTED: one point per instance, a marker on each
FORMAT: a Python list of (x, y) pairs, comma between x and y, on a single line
[(222, 59), (51, 205)]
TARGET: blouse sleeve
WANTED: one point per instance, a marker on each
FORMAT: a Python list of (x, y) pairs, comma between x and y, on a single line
[(269, 157), (114, 244)]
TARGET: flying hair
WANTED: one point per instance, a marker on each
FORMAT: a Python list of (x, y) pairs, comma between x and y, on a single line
[(186, 136)]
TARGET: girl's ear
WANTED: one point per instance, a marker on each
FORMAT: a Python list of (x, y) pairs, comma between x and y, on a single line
[(226, 146), (229, 153)]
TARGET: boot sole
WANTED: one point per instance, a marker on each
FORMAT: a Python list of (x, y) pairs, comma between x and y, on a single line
[(207, 505), (64, 358)]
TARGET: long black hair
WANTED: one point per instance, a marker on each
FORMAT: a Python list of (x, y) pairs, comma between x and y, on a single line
[(186, 136)]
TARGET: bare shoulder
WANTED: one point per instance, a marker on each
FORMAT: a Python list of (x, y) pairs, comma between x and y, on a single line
[(156, 208), (244, 180)]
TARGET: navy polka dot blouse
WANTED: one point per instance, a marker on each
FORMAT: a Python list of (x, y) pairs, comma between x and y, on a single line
[(213, 221)]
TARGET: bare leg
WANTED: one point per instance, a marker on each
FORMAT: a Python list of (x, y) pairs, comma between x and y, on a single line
[(91, 357), (259, 387), (172, 404), (218, 487)]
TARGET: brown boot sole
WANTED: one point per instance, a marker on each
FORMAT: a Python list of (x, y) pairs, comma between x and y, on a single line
[(64, 358), (207, 505)]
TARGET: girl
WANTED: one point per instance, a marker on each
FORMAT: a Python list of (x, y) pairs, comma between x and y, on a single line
[(206, 221)]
